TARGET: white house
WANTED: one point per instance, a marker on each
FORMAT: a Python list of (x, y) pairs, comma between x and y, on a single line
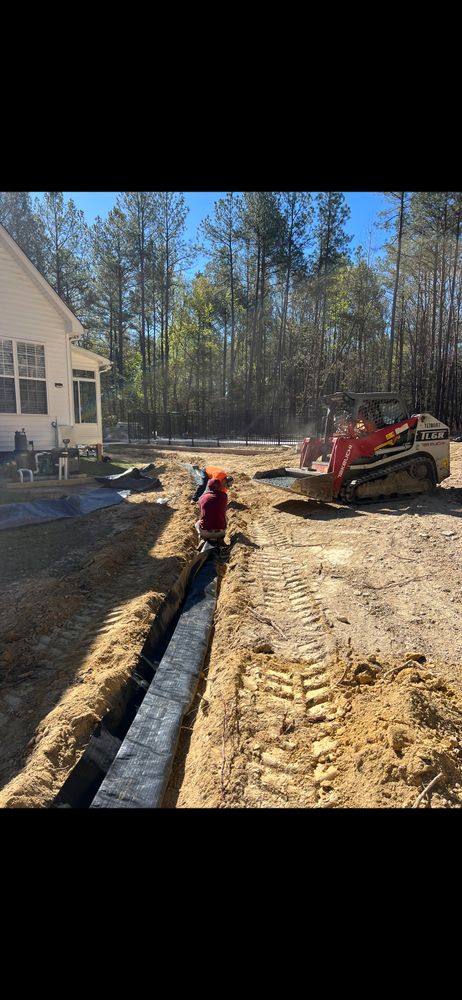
[(48, 385)]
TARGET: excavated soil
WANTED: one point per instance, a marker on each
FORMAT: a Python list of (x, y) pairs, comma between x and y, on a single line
[(334, 676)]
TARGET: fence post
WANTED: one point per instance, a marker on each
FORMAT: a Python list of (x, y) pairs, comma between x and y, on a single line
[(169, 420), (148, 427)]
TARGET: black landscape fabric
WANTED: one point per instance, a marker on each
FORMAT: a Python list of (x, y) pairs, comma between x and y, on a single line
[(132, 479), (14, 515)]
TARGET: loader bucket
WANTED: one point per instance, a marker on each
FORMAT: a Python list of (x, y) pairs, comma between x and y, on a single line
[(312, 485)]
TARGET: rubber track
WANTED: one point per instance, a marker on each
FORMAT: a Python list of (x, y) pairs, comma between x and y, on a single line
[(347, 493)]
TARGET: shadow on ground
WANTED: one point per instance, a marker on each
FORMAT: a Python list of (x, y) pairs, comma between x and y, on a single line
[(315, 509), (441, 501)]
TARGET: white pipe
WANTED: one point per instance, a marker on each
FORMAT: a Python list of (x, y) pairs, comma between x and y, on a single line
[(37, 453), (63, 471), (29, 471)]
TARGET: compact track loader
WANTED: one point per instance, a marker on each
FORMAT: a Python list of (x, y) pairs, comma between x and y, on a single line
[(376, 450)]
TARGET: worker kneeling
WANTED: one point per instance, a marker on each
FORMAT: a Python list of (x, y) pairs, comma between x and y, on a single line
[(211, 472), (211, 526)]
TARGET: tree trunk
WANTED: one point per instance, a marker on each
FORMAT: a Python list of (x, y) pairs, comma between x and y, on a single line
[(395, 293)]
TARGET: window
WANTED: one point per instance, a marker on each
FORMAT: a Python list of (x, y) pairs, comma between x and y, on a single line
[(23, 376), (84, 396), (33, 395), (392, 411), (7, 386), (32, 384)]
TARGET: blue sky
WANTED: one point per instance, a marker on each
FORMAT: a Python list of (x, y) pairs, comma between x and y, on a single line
[(364, 206)]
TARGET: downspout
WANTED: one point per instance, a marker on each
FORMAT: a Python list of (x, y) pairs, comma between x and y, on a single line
[(71, 337)]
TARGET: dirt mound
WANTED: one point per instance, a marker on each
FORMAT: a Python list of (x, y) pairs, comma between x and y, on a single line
[(402, 727)]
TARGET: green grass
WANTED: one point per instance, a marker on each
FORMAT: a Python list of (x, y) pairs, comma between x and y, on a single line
[(91, 467)]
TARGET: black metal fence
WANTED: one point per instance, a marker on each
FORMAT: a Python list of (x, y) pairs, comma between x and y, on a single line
[(222, 428)]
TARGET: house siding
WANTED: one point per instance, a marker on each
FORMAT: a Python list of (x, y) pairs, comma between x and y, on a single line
[(27, 315)]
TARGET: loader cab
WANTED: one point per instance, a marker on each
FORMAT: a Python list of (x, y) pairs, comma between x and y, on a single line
[(382, 409), (356, 415)]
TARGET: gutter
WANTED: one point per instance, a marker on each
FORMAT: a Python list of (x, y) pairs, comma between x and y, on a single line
[(70, 337)]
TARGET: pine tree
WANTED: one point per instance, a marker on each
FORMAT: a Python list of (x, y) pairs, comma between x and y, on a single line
[(66, 249), (223, 231), (171, 251), (23, 224)]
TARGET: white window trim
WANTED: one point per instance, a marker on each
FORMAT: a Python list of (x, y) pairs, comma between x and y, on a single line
[(80, 377), (17, 376)]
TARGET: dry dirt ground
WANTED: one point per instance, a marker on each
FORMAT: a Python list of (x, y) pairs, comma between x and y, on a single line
[(334, 675)]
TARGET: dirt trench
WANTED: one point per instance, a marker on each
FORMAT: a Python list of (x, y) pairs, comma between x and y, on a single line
[(334, 671)]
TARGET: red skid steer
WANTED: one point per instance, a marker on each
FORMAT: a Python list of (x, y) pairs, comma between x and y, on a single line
[(376, 450)]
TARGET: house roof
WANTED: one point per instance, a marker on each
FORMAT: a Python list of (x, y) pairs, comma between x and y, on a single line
[(92, 356), (73, 325)]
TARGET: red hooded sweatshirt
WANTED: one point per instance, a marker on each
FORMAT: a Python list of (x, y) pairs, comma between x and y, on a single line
[(213, 504)]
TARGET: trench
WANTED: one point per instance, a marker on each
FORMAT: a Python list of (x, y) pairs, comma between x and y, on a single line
[(129, 757)]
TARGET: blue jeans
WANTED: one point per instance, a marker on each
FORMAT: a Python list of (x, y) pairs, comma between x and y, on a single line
[(201, 488)]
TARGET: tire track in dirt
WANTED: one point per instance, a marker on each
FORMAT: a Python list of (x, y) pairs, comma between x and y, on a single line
[(263, 728), (294, 770), (69, 644)]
